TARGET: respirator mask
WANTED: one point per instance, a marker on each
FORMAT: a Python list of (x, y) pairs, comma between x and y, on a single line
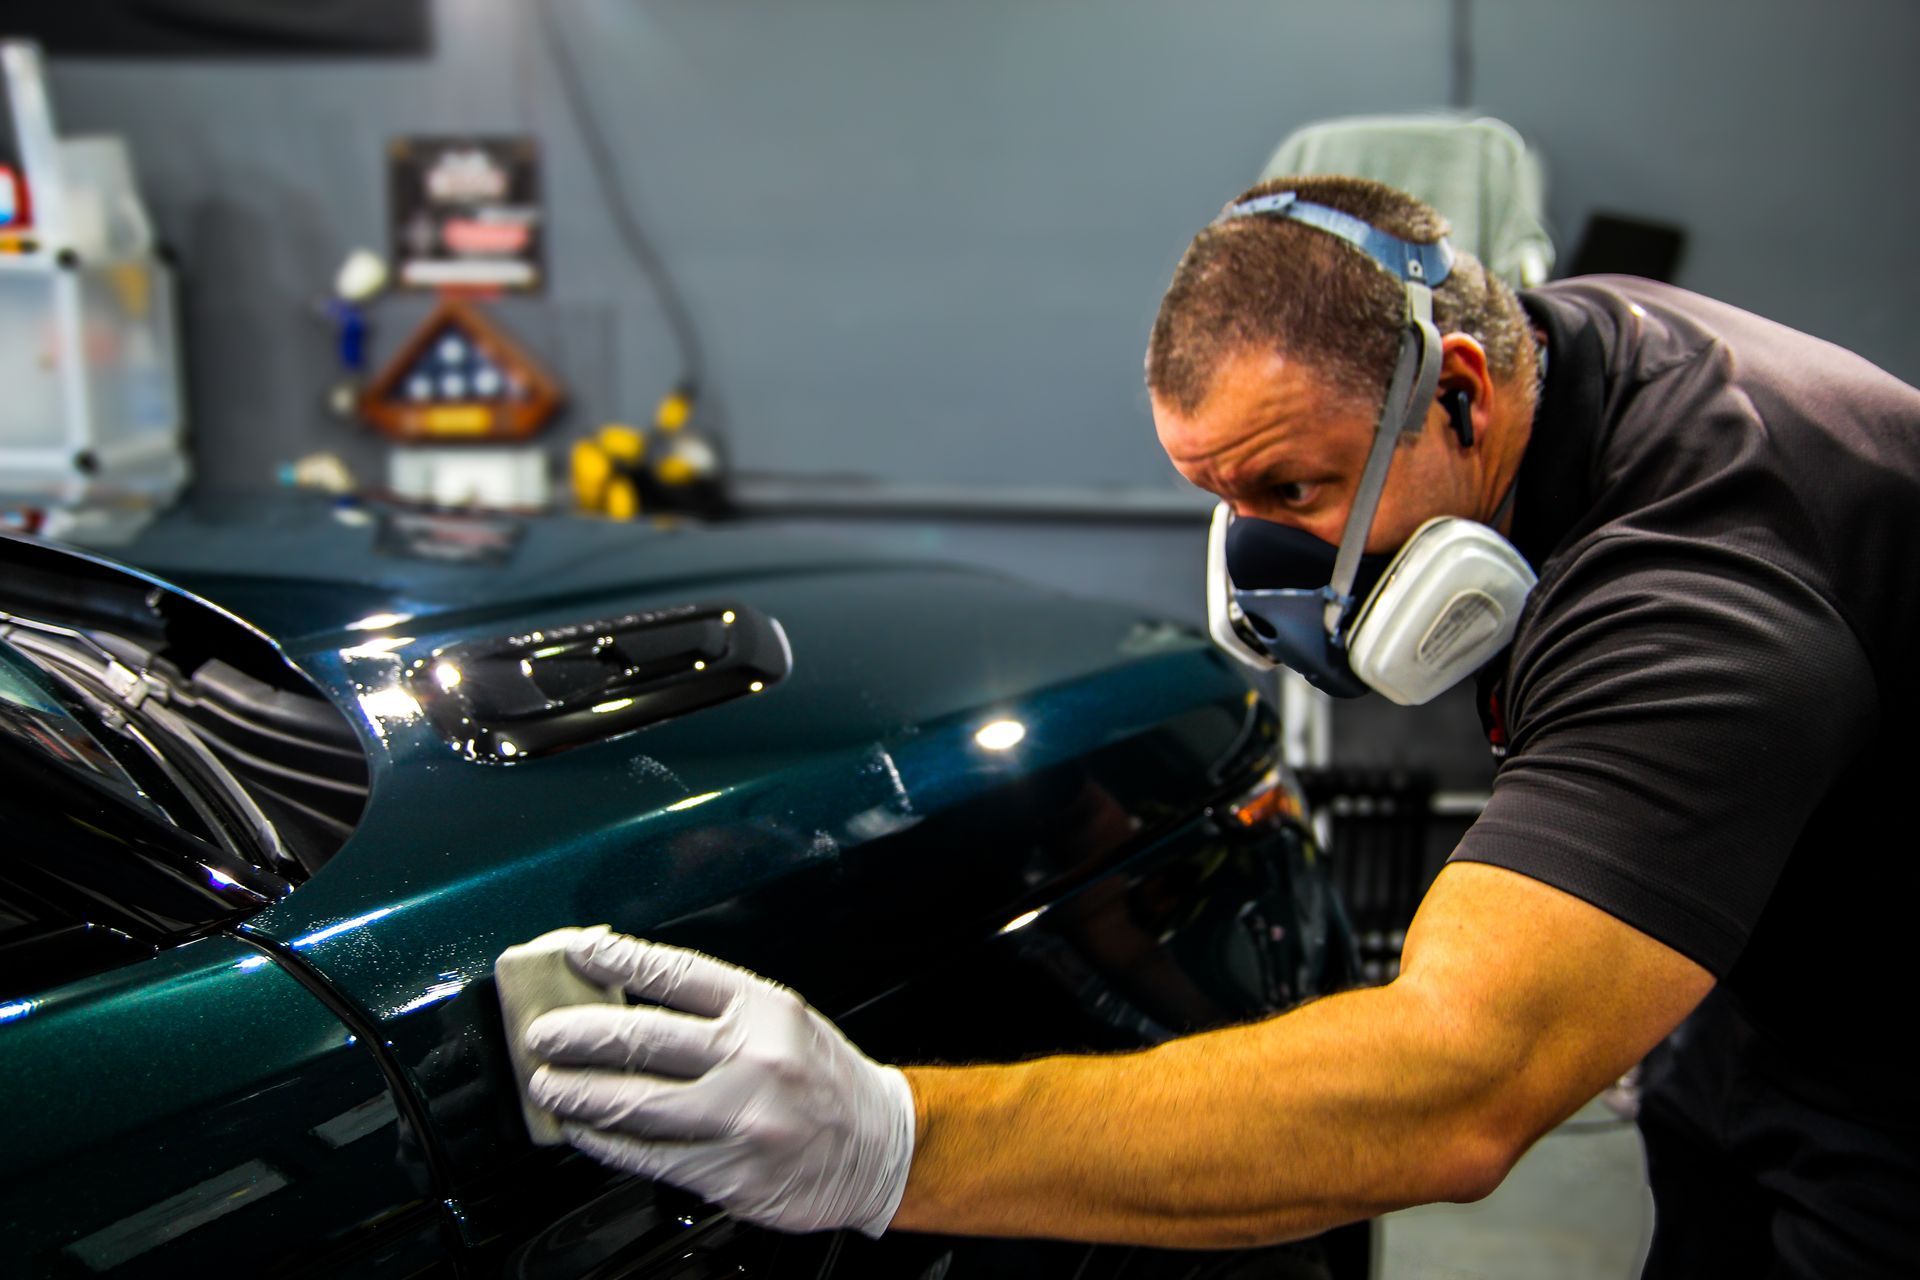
[(1409, 624)]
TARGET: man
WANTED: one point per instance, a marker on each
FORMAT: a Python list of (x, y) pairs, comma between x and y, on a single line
[(1707, 720)]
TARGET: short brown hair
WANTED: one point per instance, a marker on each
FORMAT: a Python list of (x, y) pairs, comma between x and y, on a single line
[(1276, 284)]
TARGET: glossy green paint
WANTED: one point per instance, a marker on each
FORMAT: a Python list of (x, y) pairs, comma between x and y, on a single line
[(226, 1113), (797, 831), (845, 831), (839, 829), (894, 664)]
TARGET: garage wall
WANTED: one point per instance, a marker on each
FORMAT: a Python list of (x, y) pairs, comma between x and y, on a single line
[(925, 241), (1779, 134)]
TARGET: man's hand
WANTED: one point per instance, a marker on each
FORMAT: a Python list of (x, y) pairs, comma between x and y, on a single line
[(727, 1085)]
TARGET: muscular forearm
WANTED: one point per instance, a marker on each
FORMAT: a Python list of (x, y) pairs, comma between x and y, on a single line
[(1516, 1003), (1345, 1108)]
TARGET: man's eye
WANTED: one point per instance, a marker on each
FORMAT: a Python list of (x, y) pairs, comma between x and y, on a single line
[(1293, 492)]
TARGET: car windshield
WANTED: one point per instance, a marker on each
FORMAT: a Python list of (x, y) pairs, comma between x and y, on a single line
[(35, 717), (155, 746), (112, 722), (96, 869)]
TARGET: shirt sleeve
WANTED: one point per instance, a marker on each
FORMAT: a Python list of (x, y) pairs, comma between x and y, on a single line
[(1676, 712)]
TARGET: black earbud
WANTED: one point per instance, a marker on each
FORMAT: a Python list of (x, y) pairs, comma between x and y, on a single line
[(1460, 409)]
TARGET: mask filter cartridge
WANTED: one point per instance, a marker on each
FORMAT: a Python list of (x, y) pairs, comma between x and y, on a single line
[(1449, 601)]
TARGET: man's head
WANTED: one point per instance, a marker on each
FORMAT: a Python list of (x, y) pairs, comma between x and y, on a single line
[(1272, 352)]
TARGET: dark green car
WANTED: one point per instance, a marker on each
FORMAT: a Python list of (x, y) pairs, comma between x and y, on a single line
[(275, 801)]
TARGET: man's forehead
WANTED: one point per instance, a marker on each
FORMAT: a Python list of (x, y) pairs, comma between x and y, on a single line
[(1260, 408)]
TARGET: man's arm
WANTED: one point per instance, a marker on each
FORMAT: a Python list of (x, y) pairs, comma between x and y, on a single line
[(1516, 1003)]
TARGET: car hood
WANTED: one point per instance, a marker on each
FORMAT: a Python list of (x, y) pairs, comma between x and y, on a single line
[(305, 569), (867, 765)]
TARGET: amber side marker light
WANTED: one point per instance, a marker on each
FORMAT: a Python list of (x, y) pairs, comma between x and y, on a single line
[(1268, 801)]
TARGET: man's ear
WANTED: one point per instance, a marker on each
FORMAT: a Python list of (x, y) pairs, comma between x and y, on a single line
[(1466, 385)]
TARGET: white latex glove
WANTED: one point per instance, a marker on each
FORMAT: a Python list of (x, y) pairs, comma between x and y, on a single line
[(727, 1085)]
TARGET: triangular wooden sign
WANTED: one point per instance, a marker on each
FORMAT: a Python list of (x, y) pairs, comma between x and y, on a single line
[(460, 378)]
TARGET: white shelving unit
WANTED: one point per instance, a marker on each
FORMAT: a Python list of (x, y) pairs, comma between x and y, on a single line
[(91, 423)]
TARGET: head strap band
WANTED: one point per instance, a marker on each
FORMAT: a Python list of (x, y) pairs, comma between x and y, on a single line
[(1416, 377), (1427, 264)]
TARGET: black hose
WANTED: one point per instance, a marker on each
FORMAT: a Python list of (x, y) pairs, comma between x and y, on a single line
[(607, 175)]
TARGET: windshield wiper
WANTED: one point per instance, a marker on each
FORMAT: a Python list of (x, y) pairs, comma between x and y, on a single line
[(133, 704)]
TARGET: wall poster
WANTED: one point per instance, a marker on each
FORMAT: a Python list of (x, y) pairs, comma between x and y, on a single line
[(466, 212)]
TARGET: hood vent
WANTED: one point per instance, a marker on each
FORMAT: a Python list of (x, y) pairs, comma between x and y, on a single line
[(506, 700)]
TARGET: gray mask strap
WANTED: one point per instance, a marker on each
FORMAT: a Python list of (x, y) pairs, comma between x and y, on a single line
[(1416, 377)]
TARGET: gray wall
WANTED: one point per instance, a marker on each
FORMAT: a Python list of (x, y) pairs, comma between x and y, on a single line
[(925, 240), (1781, 134)]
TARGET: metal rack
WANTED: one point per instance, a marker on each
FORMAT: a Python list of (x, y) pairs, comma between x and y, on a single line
[(1377, 825), (1378, 822)]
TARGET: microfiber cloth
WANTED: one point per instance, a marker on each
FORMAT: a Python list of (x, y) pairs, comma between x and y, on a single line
[(533, 978)]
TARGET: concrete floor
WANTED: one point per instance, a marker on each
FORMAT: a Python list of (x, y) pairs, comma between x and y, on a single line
[(1575, 1208)]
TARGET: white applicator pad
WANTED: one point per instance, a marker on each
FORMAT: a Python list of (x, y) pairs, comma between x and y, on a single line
[(533, 978)]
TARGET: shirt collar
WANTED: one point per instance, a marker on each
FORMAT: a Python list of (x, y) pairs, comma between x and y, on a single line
[(1556, 485)]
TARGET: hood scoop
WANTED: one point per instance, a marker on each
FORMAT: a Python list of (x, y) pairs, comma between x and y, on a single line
[(504, 700)]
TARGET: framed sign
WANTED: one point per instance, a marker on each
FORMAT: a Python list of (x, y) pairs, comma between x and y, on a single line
[(466, 212)]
